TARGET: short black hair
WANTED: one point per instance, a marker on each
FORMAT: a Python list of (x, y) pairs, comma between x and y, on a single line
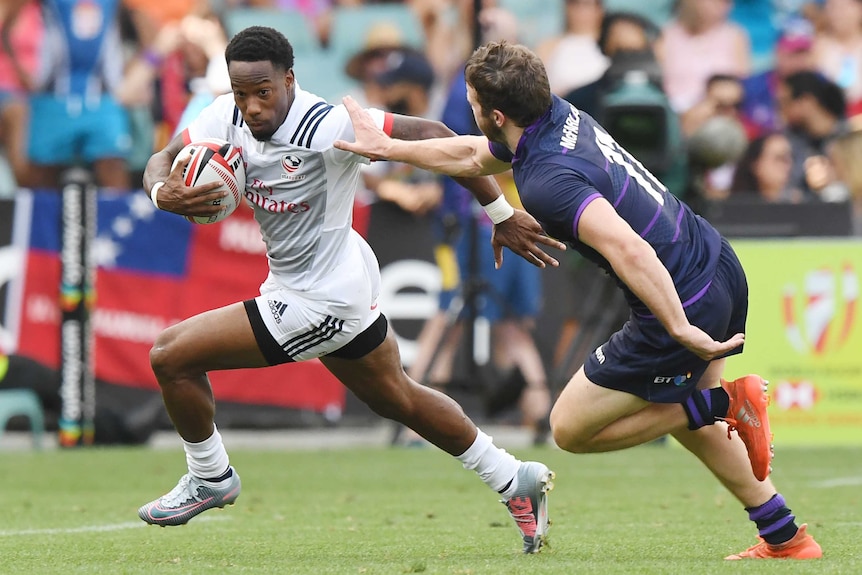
[(260, 44), (718, 78), (650, 30), (827, 93)]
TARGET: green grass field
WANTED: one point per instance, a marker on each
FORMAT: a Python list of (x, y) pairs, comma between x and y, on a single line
[(650, 510)]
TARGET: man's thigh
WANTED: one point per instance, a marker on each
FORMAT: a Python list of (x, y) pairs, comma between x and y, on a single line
[(221, 338), (585, 408)]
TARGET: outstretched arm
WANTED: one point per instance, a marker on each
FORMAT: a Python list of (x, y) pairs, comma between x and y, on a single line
[(432, 146), (453, 156)]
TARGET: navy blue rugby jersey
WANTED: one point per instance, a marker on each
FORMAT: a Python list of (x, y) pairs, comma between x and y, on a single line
[(566, 159)]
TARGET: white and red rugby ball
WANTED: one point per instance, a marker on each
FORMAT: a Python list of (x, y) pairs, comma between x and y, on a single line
[(215, 160)]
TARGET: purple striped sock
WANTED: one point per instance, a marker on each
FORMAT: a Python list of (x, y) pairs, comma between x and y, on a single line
[(763, 511), (772, 517), (707, 396), (695, 417)]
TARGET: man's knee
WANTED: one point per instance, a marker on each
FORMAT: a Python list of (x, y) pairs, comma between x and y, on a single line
[(166, 356), (567, 434), (386, 390)]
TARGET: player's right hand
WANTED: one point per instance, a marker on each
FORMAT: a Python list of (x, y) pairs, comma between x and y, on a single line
[(180, 199), (701, 343)]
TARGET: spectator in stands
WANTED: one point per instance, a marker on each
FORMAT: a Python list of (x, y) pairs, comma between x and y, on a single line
[(763, 171), (813, 109), (161, 12), (509, 298), (138, 86), (578, 44), (200, 43), (405, 88), (448, 28), (786, 10), (723, 96), (75, 116), (157, 72), (716, 136), (793, 53), (762, 22), (381, 40), (204, 43), (838, 47), (844, 153), (698, 43), (628, 41), (21, 31)]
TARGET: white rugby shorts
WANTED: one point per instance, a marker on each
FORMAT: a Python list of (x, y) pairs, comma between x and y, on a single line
[(312, 323)]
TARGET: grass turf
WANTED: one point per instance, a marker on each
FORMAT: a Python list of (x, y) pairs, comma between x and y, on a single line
[(650, 510)]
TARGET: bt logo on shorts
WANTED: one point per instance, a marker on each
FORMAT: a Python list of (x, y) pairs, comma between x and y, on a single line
[(677, 380), (277, 308)]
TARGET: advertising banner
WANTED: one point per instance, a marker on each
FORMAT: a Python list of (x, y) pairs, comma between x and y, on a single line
[(804, 335)]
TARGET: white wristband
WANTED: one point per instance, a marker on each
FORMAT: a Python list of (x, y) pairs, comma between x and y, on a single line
[(154, 193), (499, 210)]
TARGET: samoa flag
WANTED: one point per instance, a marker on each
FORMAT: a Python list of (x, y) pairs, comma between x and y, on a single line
[(154, 270)]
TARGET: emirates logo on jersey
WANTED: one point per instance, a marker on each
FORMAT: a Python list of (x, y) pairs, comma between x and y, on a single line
[(290, 163)]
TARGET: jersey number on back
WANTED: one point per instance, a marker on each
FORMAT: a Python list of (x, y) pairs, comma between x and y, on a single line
[(614, 153)]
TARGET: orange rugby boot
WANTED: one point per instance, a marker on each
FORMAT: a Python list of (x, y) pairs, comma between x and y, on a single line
[(802, 546), (747, 415)]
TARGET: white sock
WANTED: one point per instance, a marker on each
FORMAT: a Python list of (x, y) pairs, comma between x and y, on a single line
[(207, 459), (495, 466)]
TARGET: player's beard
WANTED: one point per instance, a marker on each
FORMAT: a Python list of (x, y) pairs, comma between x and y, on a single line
[(491, 130)]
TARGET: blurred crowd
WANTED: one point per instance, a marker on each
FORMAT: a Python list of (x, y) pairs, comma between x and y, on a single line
[(766, 94)]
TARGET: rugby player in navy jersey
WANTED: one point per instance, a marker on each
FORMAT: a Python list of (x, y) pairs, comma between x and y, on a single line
[(662, 372)]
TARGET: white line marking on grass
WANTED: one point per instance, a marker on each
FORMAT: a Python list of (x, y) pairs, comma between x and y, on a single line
[(91, 528), (837, 482)]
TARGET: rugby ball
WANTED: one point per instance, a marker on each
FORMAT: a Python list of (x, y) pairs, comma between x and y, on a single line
[(215, 160)]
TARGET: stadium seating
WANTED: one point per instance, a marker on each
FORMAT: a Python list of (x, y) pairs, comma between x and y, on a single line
[(291, 23), (350, 27), (538, 20), (657, 11), (322, 72), (23, 402)]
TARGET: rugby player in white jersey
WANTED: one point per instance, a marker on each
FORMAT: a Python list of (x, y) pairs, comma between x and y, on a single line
[(320, 297)]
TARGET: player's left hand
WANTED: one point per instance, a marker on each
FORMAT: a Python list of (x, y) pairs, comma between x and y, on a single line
[(522, 234), (701, 343)]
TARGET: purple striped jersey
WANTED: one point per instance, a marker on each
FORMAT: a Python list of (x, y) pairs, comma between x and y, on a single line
[(565, 160)]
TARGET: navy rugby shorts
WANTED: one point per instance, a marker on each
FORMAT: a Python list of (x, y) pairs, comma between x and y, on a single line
[(644, 360)]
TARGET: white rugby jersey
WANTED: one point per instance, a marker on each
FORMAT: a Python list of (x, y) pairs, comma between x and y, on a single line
[(300, 187)]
